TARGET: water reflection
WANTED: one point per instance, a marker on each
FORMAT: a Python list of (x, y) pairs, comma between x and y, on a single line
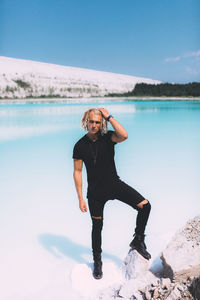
[(19, 121)]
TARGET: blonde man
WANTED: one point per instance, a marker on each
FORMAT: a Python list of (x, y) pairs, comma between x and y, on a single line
[(96, 150)]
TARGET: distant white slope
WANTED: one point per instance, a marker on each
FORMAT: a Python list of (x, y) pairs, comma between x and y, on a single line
[(24, 78)]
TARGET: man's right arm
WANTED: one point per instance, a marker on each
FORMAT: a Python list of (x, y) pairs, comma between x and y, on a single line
[(78, 164)]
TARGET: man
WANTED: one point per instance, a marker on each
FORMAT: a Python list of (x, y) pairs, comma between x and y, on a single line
[(96, 150)]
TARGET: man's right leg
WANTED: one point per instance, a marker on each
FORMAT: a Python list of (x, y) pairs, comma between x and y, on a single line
[(96, 212), (97, 225)]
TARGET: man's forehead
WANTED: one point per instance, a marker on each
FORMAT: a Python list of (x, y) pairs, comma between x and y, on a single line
[(92, 115)]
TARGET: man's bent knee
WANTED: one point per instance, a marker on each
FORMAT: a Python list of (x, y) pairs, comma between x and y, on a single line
[(140, 205)]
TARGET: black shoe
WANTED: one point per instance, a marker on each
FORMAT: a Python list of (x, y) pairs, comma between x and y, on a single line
[(97, 272), (139, 245)]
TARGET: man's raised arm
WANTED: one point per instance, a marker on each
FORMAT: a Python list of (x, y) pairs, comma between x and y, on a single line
[(120, 134)]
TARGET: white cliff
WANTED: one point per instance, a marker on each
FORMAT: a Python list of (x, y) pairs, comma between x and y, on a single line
[(25, 78)]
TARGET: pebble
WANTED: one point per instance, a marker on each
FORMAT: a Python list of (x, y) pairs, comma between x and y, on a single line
[(165, 283), (156, 293), (148, 295), (180, 288)]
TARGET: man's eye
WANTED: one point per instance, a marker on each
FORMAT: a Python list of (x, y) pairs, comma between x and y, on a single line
[(92, 122)]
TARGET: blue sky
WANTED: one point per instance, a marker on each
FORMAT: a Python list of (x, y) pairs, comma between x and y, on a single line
[(159, 39)]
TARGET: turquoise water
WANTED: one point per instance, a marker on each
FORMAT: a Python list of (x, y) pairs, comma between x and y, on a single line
[(37, 196), (160, 158)]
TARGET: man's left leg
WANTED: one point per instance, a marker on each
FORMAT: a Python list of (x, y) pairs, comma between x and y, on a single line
[(130, 196), (138, 243)]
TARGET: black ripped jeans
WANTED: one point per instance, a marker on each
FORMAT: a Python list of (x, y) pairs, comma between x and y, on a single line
[(123, 192)]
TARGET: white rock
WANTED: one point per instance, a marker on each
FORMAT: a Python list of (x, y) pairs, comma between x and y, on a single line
[(140, 282), (136, 271), (181, 258), (134, 265)]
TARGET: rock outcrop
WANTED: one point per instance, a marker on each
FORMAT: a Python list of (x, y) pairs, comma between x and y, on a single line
[(136, 271), (181, 258), (181, 271)]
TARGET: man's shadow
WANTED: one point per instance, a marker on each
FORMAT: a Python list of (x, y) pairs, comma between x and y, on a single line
[(60, 245)]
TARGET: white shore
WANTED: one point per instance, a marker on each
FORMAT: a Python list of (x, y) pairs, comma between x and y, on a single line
[(93, 99)]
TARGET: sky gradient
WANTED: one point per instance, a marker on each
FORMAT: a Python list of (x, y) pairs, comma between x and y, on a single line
[(147, 38)]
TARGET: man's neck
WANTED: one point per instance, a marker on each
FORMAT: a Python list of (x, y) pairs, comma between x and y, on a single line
[(93, 137)]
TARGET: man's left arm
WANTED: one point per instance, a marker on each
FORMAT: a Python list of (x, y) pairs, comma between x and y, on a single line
[(120, 134)]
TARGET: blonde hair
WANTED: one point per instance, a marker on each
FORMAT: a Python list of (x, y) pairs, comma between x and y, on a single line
[(85, 118)]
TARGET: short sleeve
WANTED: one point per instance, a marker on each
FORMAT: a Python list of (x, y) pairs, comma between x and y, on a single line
[(77, 153), (109, 135)]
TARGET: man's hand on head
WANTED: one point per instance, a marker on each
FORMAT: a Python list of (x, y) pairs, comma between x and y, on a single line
[(104, 112)]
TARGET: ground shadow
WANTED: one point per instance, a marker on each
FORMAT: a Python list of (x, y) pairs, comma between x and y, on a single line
[(59, 245), (156, 267)]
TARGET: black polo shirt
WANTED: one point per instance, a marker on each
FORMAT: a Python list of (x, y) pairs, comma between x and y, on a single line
[(98, 158)]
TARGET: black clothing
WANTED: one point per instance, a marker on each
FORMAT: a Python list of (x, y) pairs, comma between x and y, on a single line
[(98, 158), (142, 218), (139, 245), (97, 272), (124, 193), (97, 225), (104, 184), (119, 190)]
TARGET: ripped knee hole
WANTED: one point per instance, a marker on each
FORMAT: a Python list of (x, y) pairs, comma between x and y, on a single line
[(97, 218), (140, 205)]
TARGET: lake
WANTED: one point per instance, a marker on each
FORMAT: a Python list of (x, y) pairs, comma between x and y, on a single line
[(43, 233)]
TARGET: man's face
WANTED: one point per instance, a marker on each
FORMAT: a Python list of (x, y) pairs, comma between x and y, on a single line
[(94, 123)]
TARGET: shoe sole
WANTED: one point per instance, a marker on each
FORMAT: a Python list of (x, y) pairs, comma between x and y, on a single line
[(97, 277), (134, 248)]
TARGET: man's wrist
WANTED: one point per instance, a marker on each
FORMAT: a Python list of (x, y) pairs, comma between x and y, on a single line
[(108, 118)]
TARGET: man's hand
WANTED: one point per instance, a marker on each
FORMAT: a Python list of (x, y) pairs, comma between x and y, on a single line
[(120, 134), (83, 206), (104, 112)]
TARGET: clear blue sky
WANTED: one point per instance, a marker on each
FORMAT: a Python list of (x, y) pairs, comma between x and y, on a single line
[(159, 39)]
